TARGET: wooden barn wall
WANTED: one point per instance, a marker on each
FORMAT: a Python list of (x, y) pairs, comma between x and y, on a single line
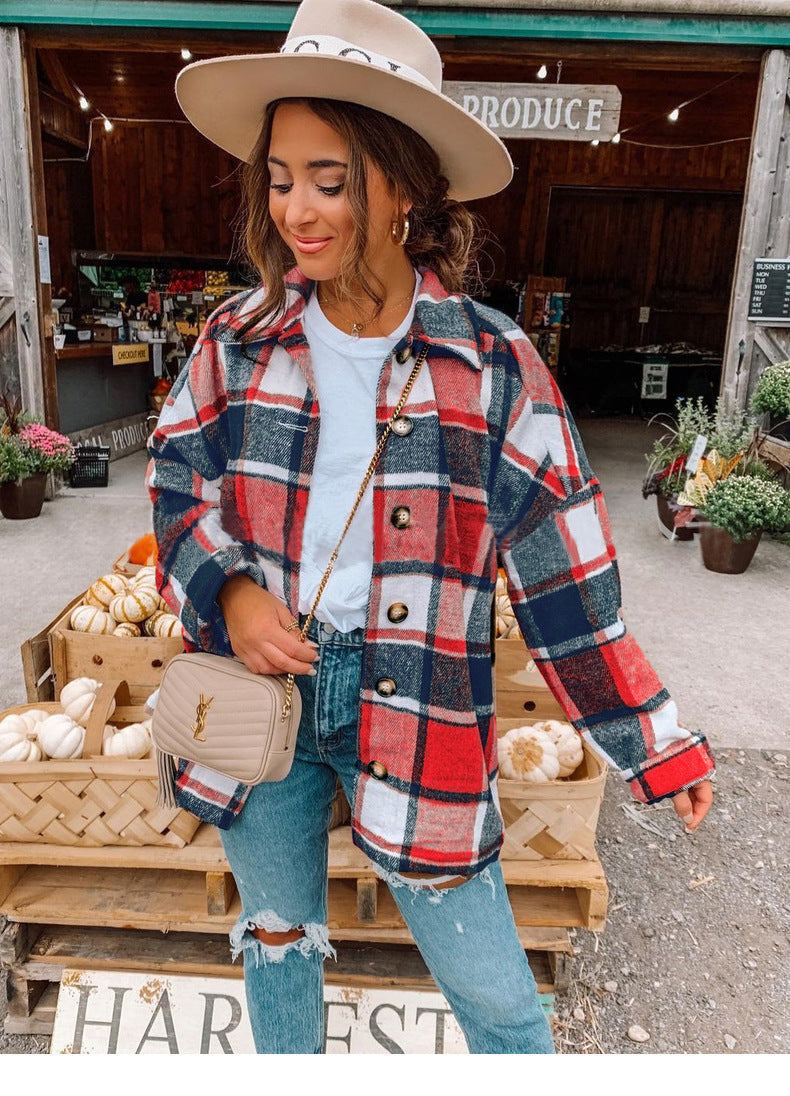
[(520, 222), (69, 197), (164, 189)]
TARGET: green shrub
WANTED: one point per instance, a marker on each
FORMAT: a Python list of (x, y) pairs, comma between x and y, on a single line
[(745, 505), (772, 391)]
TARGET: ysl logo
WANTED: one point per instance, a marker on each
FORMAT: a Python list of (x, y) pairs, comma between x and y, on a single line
[(200, 717)]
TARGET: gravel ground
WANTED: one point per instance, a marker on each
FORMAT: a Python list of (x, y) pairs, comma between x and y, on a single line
[(695, 951)]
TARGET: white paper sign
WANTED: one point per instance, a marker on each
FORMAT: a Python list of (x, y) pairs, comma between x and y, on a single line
[(695, 456), (45, 274), (120, 1012)]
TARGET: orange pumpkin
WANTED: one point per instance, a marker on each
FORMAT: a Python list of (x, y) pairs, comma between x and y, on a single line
[(144, 551)]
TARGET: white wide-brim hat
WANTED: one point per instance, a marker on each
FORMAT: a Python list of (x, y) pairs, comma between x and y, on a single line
[(360, 52)]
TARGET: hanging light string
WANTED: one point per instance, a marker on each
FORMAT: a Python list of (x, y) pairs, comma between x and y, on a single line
[(681, 106), (703, 144), (100, 117)]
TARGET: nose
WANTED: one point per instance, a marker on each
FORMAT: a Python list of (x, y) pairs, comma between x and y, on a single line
[(300, 209)]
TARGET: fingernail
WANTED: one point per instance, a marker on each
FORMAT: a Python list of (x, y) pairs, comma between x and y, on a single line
[(688, 830), (688, 818), (312, 672)]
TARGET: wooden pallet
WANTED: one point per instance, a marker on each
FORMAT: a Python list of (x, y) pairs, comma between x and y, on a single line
[(192, 889), (35, 957)]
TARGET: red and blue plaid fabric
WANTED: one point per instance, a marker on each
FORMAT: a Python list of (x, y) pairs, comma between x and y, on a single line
[(492, 472)]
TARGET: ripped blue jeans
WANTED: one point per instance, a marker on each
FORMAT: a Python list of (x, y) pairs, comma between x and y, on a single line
[(277, 849)]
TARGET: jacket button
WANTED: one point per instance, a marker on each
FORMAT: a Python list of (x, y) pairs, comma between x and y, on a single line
[(403, 355), (401, 517), (378, 770), (397, 612), (385, 686), (402, 425)]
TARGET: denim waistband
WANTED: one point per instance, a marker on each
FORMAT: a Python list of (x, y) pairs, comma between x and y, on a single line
[(326, 633)]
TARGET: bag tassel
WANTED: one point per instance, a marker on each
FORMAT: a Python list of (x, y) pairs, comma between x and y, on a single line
[(166, 779)]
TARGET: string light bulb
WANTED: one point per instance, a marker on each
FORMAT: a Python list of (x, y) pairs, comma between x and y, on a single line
[(84, 104), (108, 125), (186, 55), (542, 72), (616, 139), (674, 115), (595, 142)]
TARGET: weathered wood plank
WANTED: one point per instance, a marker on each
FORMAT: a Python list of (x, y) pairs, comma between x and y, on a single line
[(764, 208)]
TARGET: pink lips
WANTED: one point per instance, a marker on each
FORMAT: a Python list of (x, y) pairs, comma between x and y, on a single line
[(311, 245)]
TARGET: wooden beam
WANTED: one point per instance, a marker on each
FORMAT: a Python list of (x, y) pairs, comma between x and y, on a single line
[(763, 224), (46, 343), (18, 221), (62, 121), (56, 74)]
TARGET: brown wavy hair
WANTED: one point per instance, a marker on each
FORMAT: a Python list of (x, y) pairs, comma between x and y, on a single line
[(443, 234)]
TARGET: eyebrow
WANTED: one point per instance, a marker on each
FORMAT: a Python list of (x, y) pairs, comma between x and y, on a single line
[(311, 163)]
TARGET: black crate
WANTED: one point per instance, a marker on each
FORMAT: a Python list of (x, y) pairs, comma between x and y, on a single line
[(91, 467)]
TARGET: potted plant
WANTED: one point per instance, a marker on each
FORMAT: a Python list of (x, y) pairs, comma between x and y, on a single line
[(771, 396), (29, 451), (738, 510)]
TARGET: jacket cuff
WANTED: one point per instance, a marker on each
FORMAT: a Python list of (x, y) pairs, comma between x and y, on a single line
[(666, 776), (208, 580)]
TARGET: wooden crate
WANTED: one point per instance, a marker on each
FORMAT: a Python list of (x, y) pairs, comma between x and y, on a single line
[(553, 821), (70, 654), (519, 689)]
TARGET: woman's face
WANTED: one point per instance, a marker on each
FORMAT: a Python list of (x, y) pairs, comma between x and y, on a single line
[(308, 165)]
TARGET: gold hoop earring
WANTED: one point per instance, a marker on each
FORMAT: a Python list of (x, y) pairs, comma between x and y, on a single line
[(400, 233)]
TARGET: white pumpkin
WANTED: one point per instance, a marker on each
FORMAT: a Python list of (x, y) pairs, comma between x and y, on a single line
[(77, 697), (18, 747), (146, 576), (505, 617), (131, 741), (104, 589), (33, 717), (128, 629), (167, 626), (60, 737), (134, 606), (568, 742), (528, 754), (88, 618), (13, 724)]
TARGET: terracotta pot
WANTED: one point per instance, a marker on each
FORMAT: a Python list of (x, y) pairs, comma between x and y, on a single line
[(23, 498), (722, 554), (666, 519)]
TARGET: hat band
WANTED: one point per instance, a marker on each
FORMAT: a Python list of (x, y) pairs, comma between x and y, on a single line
[(328, 46)]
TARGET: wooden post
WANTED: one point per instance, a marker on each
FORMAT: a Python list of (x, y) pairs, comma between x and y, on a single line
[(765, 232), (21, 218)]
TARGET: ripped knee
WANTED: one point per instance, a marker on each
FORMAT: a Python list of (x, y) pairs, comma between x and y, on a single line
[(269, 938), (278, 938)]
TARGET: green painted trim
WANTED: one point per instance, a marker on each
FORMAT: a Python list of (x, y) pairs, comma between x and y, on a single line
[(211, 15)]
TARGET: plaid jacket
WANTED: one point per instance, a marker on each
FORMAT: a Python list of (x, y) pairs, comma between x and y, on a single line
[(493, 471)]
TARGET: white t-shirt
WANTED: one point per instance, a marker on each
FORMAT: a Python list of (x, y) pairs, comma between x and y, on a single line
[(347, 371)]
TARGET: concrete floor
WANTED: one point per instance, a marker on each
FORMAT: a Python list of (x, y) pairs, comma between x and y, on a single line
[(715, 640)]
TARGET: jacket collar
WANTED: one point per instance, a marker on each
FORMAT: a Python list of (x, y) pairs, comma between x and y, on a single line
[(441, 319)]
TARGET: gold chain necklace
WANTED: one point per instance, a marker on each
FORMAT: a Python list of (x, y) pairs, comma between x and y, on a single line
[(357, 326)]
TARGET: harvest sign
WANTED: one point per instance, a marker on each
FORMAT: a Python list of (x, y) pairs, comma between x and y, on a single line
[(559, 112)]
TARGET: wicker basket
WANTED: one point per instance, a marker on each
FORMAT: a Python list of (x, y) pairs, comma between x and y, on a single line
[(554, 821), (90, 801)]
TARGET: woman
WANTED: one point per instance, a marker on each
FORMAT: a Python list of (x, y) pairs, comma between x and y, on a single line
[(256, 463)]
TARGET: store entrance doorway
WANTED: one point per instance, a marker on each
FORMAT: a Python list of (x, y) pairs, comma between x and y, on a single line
[(645, 269)]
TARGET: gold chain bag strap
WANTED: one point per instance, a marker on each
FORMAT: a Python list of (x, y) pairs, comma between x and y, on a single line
[(213, 711)]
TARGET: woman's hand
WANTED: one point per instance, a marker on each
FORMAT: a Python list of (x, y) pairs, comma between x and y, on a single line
[(256, 623), (693, 804)]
